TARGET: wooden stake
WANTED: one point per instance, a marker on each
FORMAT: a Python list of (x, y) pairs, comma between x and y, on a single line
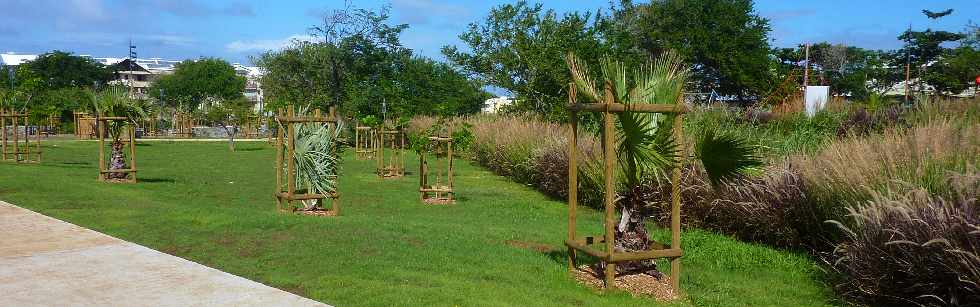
[(675, 202), (572, 178), (98, 126), (290, 161), (608, 156)]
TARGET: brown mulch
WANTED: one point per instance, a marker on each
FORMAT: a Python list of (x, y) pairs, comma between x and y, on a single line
[(316, 212), (636, 284), (439, 201)]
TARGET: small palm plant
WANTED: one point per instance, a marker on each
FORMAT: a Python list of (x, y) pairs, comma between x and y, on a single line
[(116, 102), (645, 145), (317, 158)]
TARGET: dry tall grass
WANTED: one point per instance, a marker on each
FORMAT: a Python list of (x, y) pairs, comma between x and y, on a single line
[(924, 155)]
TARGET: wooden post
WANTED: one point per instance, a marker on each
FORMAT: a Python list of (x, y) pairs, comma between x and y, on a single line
[(16, 145), (132, 151), (98, 126), (27, 138), (675, 201), (290, 161), (608, 156), (334, 204), (3, 127), (572, 177), (449, 172), (423, 174), (279, 157)]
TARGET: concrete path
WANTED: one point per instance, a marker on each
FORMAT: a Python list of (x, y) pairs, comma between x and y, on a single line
[(49, 262)]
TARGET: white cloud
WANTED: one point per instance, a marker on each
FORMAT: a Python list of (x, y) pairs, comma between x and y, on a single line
[(265, 44)]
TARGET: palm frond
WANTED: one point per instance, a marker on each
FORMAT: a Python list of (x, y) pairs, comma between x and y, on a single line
[(583, 79), (725, 156), (316, 165)]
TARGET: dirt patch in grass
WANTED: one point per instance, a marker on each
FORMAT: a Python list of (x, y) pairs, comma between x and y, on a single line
[(535, 246), (175, 250), (295, 289), (635, 284)]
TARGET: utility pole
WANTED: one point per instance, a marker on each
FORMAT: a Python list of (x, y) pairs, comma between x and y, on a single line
[(806, 68), (132, 65), (908, 62)]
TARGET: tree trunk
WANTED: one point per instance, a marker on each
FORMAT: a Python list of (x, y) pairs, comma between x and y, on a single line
[(231, 136), (117, 160), (632, 235)]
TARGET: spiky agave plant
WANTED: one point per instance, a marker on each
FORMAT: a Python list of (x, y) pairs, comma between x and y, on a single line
[(645, 145), (317, 165), (116, 102)]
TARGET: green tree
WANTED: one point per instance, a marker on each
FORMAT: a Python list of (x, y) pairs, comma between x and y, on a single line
[(725, 41), (230, 115), (193, 82), (58, 69), (518, 48), (358, 62), (955, 71)]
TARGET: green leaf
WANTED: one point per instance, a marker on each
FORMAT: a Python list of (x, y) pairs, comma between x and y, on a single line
[(725, 156)]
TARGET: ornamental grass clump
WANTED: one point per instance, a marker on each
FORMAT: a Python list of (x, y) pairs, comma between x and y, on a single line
[(913, 248)]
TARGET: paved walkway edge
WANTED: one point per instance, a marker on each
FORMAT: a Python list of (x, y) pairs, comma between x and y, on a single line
[(49, 262)]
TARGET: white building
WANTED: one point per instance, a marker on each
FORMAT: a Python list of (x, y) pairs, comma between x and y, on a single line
[(493, 105), (13, 59)]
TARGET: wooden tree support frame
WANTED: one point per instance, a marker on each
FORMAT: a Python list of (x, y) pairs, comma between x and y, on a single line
[(673, 251), (364, 142), (251, 127), (14, 148), (84, 126), (440, 190), (130, 142), (393, 165), (183, 125), (285, 148), (53, 125)]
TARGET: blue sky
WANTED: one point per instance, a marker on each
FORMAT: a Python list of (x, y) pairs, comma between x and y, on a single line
[(237, 29)]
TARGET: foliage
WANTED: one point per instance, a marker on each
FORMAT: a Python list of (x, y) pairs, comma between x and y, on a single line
[(519, 48), (955, 71), (230, 115), (316, 155), (359, 63), (195, 82), (726, 42), (115, 102), (725, 155), (59, 69)]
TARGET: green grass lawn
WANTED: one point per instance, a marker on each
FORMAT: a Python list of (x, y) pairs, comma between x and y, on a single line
[(499, 245)]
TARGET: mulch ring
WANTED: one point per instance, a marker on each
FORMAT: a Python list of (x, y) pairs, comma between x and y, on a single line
[(439, 201), (316, 212), (635, 284)]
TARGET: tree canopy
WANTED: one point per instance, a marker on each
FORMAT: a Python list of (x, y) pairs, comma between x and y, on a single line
[(195, 81), (357, 62), (521, 47)]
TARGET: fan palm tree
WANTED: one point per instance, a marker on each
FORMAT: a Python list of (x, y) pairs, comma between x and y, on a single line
[(116, 102), (317, 158), (645, 145)]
